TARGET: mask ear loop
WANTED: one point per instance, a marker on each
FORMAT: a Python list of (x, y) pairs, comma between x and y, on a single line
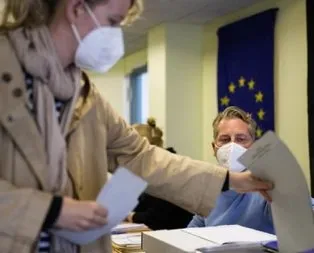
[(91, 13), (76, 33)]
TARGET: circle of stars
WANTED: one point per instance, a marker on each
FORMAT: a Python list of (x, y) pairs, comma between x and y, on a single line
[(259, 98)]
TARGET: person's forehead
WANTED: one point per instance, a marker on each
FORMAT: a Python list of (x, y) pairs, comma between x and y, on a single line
[(232, 125)]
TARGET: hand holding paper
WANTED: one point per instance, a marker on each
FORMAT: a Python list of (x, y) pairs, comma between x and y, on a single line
[(269, 158), (247, 182), (119, 196), (81, 215)]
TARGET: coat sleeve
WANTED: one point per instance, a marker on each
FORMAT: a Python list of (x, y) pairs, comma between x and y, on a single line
[(190, 184), (23, 212)]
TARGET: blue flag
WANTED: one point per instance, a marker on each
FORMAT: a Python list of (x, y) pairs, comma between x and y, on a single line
[(246, 67)]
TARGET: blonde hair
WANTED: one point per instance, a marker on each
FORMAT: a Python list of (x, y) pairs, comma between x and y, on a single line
[(25, 13), (151, 132), (234, 112)]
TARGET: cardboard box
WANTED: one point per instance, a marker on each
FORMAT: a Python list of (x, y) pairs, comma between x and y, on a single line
[(171, 241), (229, 238)]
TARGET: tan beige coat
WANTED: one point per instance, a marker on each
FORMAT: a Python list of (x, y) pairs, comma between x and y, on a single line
[(98, 138)]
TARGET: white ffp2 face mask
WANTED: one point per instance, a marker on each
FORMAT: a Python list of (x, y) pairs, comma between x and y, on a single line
[(100, 49), (228, 154)]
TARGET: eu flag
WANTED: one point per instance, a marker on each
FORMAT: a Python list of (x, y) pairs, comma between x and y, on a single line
[(246, 67)]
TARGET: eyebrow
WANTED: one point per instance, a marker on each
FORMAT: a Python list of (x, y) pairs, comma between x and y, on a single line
[(224, 136), (238, 134), (241, 134)]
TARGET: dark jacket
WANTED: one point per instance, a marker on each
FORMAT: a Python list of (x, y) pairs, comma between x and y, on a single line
[(159, 214)]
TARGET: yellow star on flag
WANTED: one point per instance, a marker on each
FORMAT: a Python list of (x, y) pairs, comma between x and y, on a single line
[(259, 97), (225, 101), (261, 113), (259, 132), (251, 85), (232, 88), (241, 81)]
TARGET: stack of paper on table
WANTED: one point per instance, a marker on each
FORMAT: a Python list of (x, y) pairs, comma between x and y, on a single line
[(129, 228), (124, 243), (190, 239)]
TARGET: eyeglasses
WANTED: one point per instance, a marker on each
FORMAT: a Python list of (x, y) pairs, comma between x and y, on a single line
[(240, 139)]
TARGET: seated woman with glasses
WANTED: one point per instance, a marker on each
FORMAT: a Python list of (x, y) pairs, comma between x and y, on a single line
[(234, 132)]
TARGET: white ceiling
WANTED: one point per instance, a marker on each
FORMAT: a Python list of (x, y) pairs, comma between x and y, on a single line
[(177, 11)]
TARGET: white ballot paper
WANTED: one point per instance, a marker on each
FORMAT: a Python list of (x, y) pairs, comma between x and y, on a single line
[(119, 196), (270, 159)]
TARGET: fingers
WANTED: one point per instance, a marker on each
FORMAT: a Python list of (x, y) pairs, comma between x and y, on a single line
[(266, 195), (81, 215), (98, 217), (91, 223), (257, 183), (88, 224), (91, 216), (246, 182), (101, 211), (99, 221), (83, 225), (130, 217), (262, 184)]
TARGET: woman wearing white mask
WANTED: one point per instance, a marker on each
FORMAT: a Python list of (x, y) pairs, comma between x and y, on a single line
[(234, 132), (58, 138)]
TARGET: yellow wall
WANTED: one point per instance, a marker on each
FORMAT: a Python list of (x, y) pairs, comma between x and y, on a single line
[(290, 76), (175, 84)]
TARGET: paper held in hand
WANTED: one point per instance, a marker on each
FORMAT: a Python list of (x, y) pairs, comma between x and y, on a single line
[(269, 158), (120, 196)]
